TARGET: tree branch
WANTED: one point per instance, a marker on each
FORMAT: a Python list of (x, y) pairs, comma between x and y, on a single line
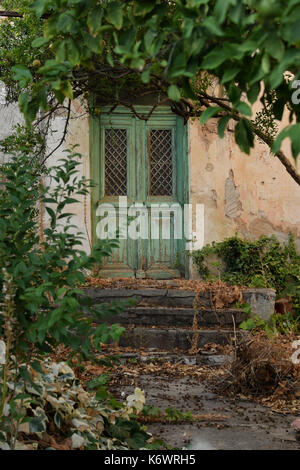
[(63, 136), (263, 136), (10, 14)]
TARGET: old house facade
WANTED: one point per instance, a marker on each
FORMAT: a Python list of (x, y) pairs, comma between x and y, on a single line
[(167, 187)]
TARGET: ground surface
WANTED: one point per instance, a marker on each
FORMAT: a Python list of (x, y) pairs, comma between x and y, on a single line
[(191, 383), (223, 422), (246, 425)]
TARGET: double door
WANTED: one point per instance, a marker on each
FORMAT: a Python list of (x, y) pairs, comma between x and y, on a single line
[(141, 171)]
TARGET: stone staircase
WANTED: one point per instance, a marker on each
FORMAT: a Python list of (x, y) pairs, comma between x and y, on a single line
[(163, 318)]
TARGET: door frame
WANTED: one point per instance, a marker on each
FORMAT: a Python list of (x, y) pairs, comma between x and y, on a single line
[(182, 164)]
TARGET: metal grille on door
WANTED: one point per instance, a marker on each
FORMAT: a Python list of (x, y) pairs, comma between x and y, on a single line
[(115, 162), (161, 162)]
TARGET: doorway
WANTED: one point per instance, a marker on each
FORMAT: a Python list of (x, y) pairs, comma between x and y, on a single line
[(142, 174)]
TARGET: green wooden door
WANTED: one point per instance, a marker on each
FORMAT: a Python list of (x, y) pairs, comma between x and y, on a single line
[(142, 172)]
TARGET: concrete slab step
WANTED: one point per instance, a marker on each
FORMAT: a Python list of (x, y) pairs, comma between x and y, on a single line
[(261, 301), (166, 316), (169, 339)]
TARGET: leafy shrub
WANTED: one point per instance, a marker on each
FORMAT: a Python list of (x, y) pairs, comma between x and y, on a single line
[(43, 270), (50, 409), (261, 263), (41, 304)]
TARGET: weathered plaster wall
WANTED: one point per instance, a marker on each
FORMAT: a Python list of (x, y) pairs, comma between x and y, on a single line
[(78, 134), (9, 117), (248, 194)]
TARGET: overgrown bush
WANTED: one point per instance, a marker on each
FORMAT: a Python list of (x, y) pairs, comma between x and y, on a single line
[(262, 263), (262, 367), (41, 270), (49, 409)]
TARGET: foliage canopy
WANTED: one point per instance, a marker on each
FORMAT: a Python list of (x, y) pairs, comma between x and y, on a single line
[(163, 46)]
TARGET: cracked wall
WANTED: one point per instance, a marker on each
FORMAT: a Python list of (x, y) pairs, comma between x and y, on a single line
[(252, 195), (233, 205)]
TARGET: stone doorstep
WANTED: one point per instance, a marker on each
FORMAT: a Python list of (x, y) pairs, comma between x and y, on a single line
[(169, 339), (179, 316), (262, 301), (152, 296)]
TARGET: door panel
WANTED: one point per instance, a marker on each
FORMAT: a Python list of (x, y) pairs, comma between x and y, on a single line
[(161, 197), (139, 161), (117, 146)]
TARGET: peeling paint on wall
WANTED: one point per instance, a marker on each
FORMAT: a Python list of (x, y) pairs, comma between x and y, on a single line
[(251, 195), (233, 205)]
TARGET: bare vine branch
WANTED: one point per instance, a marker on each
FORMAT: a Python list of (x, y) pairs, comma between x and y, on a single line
[(63, 136)]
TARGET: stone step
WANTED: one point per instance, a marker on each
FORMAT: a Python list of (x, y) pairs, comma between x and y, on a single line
[(172, 338), (161, 297), (262, 301), (180, 357), (166, 316)]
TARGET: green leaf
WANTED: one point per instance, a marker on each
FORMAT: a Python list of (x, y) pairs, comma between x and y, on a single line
[(235, 13), (223, 125), (253, 92), (275, 47), (98, 381), (94, 19), (265, 63), (244, 136), (93, 43), (145, 76), (66, 89), (137, 440), (293, 132), (248, 325), (276, 76), (58, 420), (209, 113), (174, 93), (148, 40), (142, 7), (22, 74), (67, 22), (110, 59), (38, 42), (115, 14), (229, 74), (213, 59), (210, 23), (244, 108), (102, 393), (178, 65), (37, 366), (73, 53), (51, 213), (291, 32), (40, 6), (234, 94), (37, 424), (221, 9), (61, 51)]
